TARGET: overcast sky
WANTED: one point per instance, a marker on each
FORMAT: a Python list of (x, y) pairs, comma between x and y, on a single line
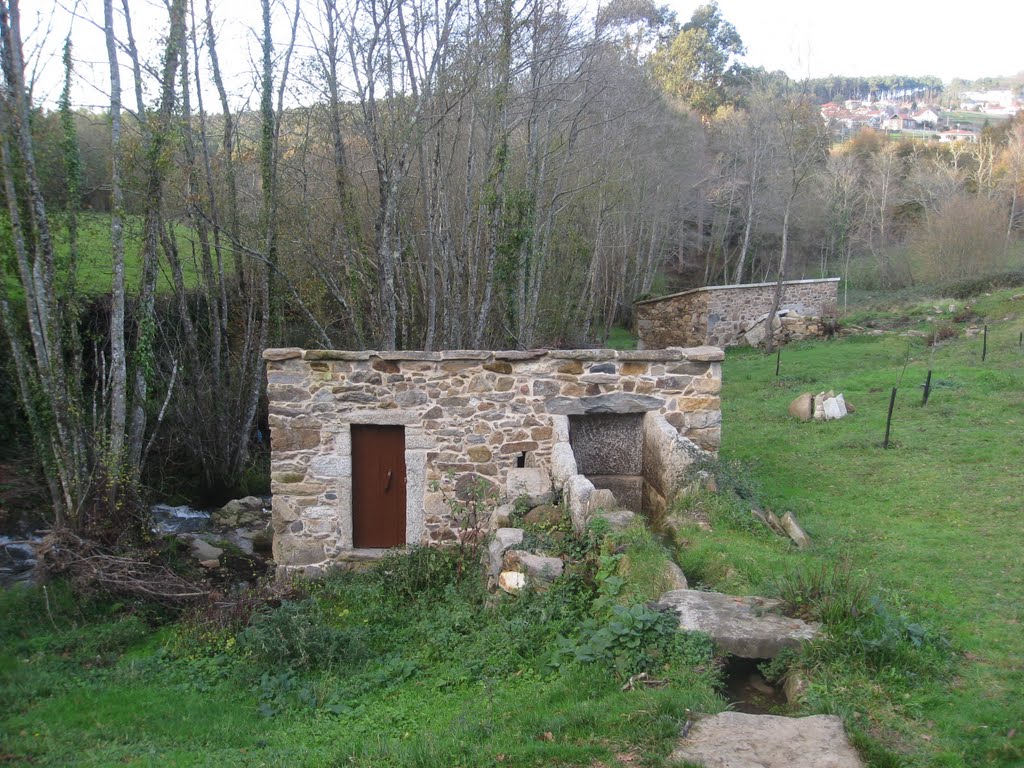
[(802, 37)]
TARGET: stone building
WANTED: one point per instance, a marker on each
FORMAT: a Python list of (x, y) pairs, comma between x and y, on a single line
[(721, 315), (372, 450)]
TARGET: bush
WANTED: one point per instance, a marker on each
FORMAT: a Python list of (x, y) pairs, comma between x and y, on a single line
[(297, 635), (973, 286), (965, 237)]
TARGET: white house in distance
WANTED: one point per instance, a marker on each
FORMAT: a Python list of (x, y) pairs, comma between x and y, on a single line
[(1002, 102), (958, 134)]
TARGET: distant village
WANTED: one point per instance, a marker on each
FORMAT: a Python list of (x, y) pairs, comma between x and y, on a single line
[(927, 121)]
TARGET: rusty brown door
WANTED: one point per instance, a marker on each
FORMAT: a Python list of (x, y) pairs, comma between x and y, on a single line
[(378, 486)]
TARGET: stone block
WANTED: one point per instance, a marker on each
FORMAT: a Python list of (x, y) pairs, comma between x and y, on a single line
[(536, 567), (578, 491), (532, 483), (749, 627), (503, 540)]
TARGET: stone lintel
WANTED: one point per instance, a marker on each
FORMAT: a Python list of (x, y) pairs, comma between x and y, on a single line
[(614, 402)]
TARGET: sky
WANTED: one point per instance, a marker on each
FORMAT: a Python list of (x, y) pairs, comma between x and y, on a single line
[(805, 38), (815, 38)]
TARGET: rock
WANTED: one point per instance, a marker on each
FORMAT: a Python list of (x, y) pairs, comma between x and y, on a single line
[(547, 515), (504, 539), (794, 531), (749, 627), (848, 405), (1015, 297), (536, 567), (673, 576), (613, 402), (578, 490), (210, 564), (602, 499), (618, 520), (232, 513), (511, 581), (833, 409), (739, 740), (794, 687), (563, 464), (819, 407), (530, 482), (802, 407), (204, 550), (502, 516)]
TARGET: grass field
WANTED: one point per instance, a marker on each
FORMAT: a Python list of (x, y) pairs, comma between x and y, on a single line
[(361, 673), (95, 271), (936, 523)]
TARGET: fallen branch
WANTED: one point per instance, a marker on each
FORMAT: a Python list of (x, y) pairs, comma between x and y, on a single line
[(90, 566)]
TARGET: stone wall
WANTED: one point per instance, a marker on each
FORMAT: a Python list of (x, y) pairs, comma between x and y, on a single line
[(469, 417), (719, 315)]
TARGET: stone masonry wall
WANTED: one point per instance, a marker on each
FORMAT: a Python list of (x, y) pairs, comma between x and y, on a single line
[(718, 315), (467, 414)]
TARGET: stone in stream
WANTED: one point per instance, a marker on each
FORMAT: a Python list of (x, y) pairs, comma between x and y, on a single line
[(749, 627), (739, 740)]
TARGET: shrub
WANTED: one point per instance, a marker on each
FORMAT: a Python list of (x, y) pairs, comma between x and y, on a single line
[(973, 286), (297, 635), (964, 237)]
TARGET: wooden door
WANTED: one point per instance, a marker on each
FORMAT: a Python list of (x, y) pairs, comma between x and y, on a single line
[(378, 486)]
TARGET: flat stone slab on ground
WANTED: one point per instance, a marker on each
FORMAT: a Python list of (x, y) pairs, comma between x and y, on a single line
[(738, 740), (749, 627)]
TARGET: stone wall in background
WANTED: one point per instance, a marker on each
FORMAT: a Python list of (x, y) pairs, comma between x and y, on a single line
[(720, 315), (470, 418)]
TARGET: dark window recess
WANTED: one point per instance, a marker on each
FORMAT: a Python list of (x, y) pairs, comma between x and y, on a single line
[(521, 460)]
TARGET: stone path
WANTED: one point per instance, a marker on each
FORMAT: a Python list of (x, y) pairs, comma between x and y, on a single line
[(737, 740), (749, 627), (753, 628)]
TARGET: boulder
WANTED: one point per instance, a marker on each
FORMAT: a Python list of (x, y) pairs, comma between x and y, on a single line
[(547, 515), (237, 511), (833, 409), (673, 576), (204, 550), (578, 490), (794, 531), (602, 499), (536, 567), (511, 581), (563, 464), (504, 539), (502, 516), (739, 740), (619, 519), (802, 407), (819, 407), (749, 627), (531, 483)]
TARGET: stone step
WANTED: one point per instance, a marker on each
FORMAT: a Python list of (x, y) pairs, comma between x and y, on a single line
[(738, 740), (749, 627)]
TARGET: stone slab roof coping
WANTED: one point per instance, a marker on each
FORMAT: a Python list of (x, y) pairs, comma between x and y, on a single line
[(738, 285), (696, 354)]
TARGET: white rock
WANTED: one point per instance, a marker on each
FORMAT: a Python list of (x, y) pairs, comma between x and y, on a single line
[(511, 581), (832, 410)]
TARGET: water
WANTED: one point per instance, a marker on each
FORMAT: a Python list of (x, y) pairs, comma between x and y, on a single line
[(183, 519), (17, 559)]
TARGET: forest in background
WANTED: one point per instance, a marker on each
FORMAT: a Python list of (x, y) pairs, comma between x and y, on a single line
[(497, 173)]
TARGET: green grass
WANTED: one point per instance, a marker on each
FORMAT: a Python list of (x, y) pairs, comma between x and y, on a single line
[(355, 674), (95, 271), (933, 525)]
